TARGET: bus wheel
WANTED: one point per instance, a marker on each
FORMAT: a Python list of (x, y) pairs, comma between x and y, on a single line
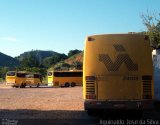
[(66, 84), (37, 85), (73, 84), (22, 85)]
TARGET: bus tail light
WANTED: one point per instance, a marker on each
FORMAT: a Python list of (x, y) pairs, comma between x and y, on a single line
[(90, 87), (90, 78), (90, 96), (147, 86)]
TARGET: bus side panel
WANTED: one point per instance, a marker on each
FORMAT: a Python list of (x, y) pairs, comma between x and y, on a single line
[(20, 80), (60, 81)]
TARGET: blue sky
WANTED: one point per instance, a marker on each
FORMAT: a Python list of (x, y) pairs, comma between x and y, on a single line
[(62, 25)]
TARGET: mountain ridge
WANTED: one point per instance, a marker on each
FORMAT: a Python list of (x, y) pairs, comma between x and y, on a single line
[(8, 61)]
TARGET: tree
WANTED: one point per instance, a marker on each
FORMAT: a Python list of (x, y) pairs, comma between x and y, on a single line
[(73, 52), (77, 65), (3, 71), (62, 66), (54, 59), (152, 24)]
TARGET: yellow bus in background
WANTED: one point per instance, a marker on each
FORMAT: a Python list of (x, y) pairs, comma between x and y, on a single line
[(16, 79), (22, 79), (118, 73), (65, 78)]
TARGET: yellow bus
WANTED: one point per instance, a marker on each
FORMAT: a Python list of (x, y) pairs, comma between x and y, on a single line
[(118, 73), (65, 78), (22, 79), (16, 79)]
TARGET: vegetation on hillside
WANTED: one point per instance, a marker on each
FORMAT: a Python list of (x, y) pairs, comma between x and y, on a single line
[(71, 63), (8, 61)]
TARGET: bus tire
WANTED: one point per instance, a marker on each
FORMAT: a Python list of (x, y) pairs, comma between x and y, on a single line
[(37, 85), (22, 85), (73, 84), (66, 84)]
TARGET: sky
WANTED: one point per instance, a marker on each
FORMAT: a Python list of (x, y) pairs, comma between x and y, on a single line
[(63, 25)]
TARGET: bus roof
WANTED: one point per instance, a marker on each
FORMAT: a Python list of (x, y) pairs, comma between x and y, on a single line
[(67, 71), (129, 33)]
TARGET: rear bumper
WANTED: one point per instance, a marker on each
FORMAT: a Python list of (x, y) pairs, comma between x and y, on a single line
[(10, 84), (50, 84), (119, 104)]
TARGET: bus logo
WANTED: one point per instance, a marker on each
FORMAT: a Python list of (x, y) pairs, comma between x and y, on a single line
[(121, 58)]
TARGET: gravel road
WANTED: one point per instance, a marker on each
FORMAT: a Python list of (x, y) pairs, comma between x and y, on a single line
[(47, 106)]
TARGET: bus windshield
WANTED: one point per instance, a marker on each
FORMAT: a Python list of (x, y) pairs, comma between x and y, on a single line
[(11, 74), (49, 73)]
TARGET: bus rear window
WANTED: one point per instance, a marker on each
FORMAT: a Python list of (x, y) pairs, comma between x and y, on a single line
[(29, 76), (11, 74)]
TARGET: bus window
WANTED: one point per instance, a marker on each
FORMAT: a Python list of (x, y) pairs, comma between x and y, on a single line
[(65, 78), (29, 76), (21, 75), (68, 74), (36, 76)]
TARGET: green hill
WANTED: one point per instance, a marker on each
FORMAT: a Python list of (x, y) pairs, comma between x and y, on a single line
[(8, 61), (38, 58), (40, 54), (73, 62)]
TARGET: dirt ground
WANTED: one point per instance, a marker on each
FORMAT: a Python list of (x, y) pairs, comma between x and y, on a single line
[(41, 98), (45, 105)]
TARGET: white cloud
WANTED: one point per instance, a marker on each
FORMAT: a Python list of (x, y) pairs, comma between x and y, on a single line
[(11, 39)]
